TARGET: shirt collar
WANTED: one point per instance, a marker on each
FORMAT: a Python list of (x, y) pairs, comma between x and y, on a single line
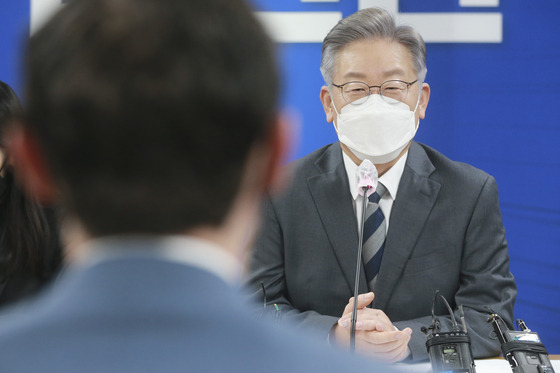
[(185, 249), (389, 179)]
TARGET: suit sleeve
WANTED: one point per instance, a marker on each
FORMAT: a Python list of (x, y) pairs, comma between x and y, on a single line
[(485, 280), (267, 265)]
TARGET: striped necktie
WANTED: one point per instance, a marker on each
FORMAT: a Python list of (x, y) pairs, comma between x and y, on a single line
[(374, 236)]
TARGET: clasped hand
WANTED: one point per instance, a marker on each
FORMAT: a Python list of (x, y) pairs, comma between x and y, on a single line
[(376, 336)]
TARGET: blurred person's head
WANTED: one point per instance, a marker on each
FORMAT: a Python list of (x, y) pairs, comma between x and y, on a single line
[(151, 116), (10, 110), (25, 239), (10, 107)]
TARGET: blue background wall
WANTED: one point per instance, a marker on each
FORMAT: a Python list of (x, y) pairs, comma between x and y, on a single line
[(495, 106)]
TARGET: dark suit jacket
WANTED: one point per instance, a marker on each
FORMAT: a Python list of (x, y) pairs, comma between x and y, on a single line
[(445, 233), (144, 314)]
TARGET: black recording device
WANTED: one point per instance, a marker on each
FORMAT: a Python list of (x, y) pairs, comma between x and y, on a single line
[(449, 351), (522, 348)]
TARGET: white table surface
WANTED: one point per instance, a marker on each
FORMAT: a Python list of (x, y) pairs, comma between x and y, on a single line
[(482, 366)]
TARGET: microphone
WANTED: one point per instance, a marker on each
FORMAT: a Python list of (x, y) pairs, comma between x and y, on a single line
[(366, 179)]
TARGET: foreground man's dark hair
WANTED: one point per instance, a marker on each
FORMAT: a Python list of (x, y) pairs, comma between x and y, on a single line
[(175, 105)]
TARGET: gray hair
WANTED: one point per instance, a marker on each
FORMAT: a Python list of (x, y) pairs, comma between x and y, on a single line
[(372, 23)]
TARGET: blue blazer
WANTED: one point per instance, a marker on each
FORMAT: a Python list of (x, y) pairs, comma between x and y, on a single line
[(145, 314)]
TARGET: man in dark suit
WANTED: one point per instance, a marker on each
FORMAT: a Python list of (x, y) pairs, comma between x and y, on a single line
[(155, 124), (434, 224)]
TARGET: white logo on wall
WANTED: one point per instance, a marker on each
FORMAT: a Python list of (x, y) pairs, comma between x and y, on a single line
[(311, 27), (458, 27)]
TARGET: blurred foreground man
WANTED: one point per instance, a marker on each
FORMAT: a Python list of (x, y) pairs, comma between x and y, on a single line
[(155, 124), (433, 224)]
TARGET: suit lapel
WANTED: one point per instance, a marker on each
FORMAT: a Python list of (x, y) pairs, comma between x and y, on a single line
[(331, 195), (416, 196)]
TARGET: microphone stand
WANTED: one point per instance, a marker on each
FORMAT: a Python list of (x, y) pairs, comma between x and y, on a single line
[(358, 271)]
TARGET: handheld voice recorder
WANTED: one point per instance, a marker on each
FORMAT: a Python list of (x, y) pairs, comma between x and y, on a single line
[(522, 348), (449, 351)]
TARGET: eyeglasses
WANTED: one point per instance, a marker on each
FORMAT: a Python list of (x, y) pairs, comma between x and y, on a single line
[(357, 93)]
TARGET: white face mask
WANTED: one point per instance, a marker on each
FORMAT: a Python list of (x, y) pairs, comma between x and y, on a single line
[(377, 129)]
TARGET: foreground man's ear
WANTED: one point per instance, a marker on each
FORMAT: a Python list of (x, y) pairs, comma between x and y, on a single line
[(280, 142), (30, 167)]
